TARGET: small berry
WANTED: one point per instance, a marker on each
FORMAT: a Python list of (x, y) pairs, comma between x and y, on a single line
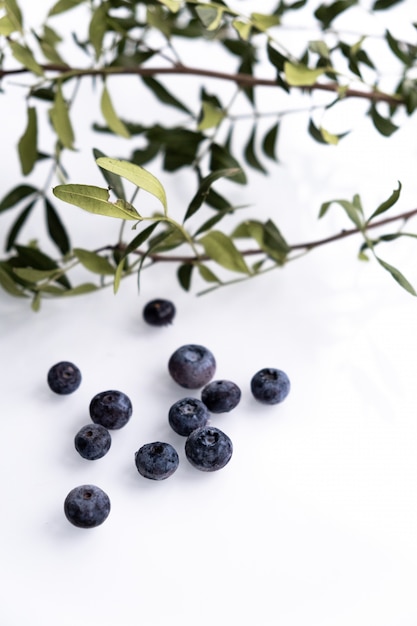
[(87, 506), (159, 312), (156, 460), (221, 396), (192, 366), (208, 449), (64, 377), (112, 409), (270, 385), (187, 414), (92, 441)]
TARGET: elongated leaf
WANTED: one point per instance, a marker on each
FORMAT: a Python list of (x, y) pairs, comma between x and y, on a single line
[(64, 5), (263, 21), (204, 189), (210, 16), (352, 209), (29, 256), (32, 275), (7, 26), (184, 275), (27, 146), (17, 194), (243, 29), (56, 228), (221, 249), (326, 13), (14, 15), (24, 55), (114, 181), (173, 5), (163, 95), (95, 200), (380, 5), (222, 159), (94, 262), (8, 284), (387, 204), (97, 28), (139, 239), (109, 113), (206, 274), (269, 142), (18, 225), (300, 75), (136, 175), (250, 154), (210, 116), (383, 124), (398, 276), (60, 119)]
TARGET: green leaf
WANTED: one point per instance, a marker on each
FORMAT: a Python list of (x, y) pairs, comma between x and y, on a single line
[(184, 274), (220, 158), (269, 142), (380, 5), (326, 13), (352, 209), (94, 262), (398, 276), (32, 275), (263, 21), (7, 26), (32, 257), (268, 237), (387, 204), (204, 189), (95, 200), (114, 122), (220, 248), (114, 181), (136, 175), (56, 228), (163, 95), (18, 225), (14, 15), (383, 124), (140, 239), (64, 5), (300, 75), (8, 284), (210, 116), (250, 153), (17, 194), (97, 28), (206, 274), (210, 16), (24, 55), (173, 5), (243, 29), (27, 145), (60, 119)]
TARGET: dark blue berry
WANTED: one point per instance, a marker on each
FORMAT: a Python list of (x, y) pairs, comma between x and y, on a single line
[(87, 506), (187, 414), (208, 448), (64, 377), (192, 366), (221, 396), (156, 460), (112, 409), (92, 441), (159, 312), (270, 385)]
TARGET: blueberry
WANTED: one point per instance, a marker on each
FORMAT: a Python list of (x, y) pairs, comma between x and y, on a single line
[(112, 409), (208, 448), (187, 414), (192, 366), (64, 377), (156, 460), (87, 506), (159, 312), (92, 441), (270, 385), (221, 396)]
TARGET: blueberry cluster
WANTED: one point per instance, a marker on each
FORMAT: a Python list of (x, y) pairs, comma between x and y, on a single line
[(207, 448)]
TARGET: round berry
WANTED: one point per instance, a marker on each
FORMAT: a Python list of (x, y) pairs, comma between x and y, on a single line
[(270, 385), (112, 409), (92, 441), (221, 396), (64, 377), (192, 366), (208, 448), (156, 460), (187, 414), (159, 312), (87, 506)]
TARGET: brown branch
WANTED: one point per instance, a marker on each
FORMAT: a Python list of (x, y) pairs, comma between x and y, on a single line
[(243, 80), (250, 252)]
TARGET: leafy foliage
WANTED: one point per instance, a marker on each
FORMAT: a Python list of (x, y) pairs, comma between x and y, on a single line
[(139, 39)]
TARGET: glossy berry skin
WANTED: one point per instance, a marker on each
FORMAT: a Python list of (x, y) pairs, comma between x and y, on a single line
[(64, 377), (270, 385), (92, 442), (156, 460), (192, 366), (187, 414), (208, 449), (221, 396), (159, 312), (112, 409), (87, 506)]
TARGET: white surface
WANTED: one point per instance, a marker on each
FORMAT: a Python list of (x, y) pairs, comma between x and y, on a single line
[(314, 519)]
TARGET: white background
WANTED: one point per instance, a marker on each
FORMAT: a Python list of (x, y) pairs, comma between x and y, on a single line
[(314, 520)]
